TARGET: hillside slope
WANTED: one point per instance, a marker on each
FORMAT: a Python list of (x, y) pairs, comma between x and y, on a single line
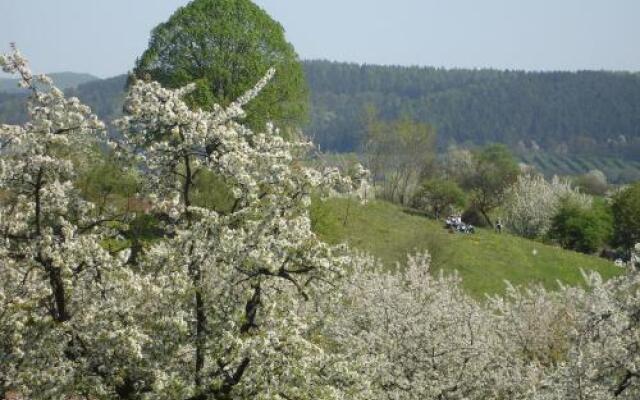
[(585, 112), (63, 80), (484, 260)]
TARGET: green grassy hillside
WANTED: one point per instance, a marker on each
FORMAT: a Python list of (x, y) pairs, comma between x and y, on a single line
[(484, 260)]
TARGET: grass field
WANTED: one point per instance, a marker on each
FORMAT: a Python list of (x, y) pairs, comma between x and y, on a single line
[(484, 260)]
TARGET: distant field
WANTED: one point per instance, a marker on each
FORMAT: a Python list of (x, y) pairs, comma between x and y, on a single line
[(616, 170), (484, 260)]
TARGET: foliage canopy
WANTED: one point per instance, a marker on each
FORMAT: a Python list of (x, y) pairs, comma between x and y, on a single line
[(626, 213), (584, 229), (438, 195), (224, 47), (495, 171)]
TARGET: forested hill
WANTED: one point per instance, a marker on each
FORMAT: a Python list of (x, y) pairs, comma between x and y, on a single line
[(104, 96), (64, 80), (586, 112), (566, 113)]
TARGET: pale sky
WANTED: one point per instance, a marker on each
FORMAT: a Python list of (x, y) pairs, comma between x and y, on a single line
[(103, 37)]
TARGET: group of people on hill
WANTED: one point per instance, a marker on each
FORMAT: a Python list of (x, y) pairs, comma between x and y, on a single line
[(454, 223)]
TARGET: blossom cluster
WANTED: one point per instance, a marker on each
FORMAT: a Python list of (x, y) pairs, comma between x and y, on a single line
[(213, 307), (417, 335), (532, 202), (61, 291)]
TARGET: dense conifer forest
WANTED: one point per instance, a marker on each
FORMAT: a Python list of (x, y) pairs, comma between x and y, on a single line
[(585, 112), (566, 118)]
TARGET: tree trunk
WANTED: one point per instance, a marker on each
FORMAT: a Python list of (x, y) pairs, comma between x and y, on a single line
[(486, 217)]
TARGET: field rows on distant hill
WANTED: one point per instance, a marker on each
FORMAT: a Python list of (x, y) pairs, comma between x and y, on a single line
[(617, 170)]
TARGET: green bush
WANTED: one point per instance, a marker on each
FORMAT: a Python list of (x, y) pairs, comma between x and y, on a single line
[(626, 216), (584, 229), (495, 171), (594, 182), (439, 196), (474, 217)]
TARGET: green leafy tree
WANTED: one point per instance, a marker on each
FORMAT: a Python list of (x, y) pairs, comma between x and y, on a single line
[(626, 216), (495, 171), (584, 229), (439, 195), (224, 47), (398, 153)]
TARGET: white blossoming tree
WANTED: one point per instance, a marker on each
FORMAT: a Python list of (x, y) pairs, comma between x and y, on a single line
[(603, 359), (214, 308), (240, 275), (418, 336), (576, 343), (531, 203), (415, 336), (65, 302)]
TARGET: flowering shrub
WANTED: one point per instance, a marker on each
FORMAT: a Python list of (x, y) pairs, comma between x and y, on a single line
[(242, 272), (414, 335), (532, 202)]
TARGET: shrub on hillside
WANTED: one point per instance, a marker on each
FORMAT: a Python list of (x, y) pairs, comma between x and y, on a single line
[(626, 215), (593, 182), (474, 217), (532, 202), (439, 196), (495, 170), (580, 228)]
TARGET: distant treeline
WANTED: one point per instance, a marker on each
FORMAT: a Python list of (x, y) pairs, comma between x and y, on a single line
[(104, 96), (585, 113), (63, 80)]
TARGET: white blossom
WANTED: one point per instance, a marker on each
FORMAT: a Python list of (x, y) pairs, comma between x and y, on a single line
[(66, 304), (532, 202)]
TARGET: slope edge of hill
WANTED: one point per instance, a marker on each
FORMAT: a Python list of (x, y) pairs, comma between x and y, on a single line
[(484, 260)]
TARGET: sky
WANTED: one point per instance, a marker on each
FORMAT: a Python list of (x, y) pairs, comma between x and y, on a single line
[(104, 37)]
